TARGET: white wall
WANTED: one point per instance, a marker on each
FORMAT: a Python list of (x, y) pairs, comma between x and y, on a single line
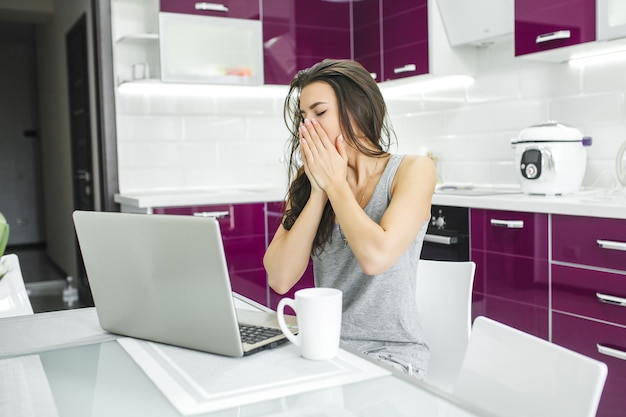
[(170, 141), (472, 139)]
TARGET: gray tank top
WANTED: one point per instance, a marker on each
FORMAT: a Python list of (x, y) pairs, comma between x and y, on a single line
[(380, 314)]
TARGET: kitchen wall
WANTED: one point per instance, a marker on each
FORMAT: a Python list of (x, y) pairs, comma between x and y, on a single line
[(206, 138), (472, 140)]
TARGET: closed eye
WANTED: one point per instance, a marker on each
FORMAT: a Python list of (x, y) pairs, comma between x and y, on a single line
[(320, 113)]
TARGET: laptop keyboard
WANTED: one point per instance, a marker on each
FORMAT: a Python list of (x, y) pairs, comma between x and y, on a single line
[(256, 334)]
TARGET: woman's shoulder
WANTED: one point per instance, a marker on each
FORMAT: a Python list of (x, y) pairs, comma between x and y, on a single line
[(416, 168), (416, 162)]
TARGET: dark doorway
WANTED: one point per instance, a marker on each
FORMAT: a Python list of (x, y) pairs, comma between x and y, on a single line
[(80, 125)]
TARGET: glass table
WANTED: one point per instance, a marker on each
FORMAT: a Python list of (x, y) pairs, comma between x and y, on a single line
[(63, 364)]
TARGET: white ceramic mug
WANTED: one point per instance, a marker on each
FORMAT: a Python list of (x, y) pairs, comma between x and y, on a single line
[(318, 312)]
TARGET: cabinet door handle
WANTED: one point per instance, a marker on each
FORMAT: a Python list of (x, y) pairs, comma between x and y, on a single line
[(611, 299), (509, 224), (214, 7), (443, 240), (611, 244), (216, 214), (608, 351), (553, 36), (405, 68)]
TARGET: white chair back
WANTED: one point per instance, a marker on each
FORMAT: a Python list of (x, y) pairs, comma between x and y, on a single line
[(511, 374), (444, 302), (14, 299)]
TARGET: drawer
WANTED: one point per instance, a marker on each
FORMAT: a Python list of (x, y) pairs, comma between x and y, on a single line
[(584, 336), (515, 278), (241, 9), (528, 318), (237, 220), (597, 294), (589, 241), (515, 233)]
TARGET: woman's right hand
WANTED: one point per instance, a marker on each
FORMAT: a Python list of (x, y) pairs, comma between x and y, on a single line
[(315, 188)]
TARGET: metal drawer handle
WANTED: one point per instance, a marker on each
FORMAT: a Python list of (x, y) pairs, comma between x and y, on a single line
[(611, 299), (615, 353), (216, 214), (553, 36), (405, 68), (509, 224), (214, 7), (443, 240), (611, 244)]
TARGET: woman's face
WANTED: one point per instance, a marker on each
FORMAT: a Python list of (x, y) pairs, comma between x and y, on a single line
[(318, 101)]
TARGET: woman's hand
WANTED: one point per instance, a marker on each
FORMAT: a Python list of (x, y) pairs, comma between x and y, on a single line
[(325, 160)]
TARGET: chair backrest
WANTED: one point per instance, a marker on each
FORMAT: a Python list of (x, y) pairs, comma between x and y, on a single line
[(444, 302), (511, 374), (14, 299)]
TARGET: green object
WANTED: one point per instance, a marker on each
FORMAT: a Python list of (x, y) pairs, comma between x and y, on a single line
[(4, 234)]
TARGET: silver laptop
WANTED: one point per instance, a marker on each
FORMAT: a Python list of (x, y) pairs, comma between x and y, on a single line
[(164, 278)]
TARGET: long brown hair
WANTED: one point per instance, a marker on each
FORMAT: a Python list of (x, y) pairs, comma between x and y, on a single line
[(359, 102)]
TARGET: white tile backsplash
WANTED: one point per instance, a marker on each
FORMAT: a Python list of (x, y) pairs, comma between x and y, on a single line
[(206, 140)]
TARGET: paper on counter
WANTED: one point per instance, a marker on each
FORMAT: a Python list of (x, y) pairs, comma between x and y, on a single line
[(24, 388), (197, 382)]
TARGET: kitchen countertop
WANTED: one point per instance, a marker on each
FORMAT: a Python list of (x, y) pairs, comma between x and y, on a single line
[(593, 203), (201, 197)]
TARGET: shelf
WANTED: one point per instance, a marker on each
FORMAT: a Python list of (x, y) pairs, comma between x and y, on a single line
[(139, 38)]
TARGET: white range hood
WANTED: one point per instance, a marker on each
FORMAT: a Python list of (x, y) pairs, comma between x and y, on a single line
[(477, 22)]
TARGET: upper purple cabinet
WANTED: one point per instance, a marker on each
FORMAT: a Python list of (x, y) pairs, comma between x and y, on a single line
[(391, 38), (366, 33), (241, 9), (297, 34), (405, 39), (547, 25)]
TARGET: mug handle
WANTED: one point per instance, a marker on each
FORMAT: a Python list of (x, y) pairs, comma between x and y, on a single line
[(280, 315)]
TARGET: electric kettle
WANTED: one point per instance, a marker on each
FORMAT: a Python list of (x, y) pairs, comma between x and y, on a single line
[(551, 158)]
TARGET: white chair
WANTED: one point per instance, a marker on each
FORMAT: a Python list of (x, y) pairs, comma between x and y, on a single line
[(14, 299), (512, 374), (444, 302)]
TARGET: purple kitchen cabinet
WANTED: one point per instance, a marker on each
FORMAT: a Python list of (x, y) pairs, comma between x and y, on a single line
[(511, 282), (274, 216), (405, 39), (297, 34), (544, 25), (243, 234), (589, 297), (241, 9), (602, 341), (599, 295), (511, 232), (366, 34), (526, 317), (590, 241)]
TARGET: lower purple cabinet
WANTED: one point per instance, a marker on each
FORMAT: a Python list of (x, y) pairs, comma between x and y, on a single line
[(589, 297), (511, 282), (600, 341)]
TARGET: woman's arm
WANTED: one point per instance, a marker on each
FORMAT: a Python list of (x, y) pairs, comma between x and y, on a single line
[(378, 246), (288, 254)]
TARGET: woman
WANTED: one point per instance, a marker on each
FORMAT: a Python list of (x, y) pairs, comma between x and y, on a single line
[(360, 212)]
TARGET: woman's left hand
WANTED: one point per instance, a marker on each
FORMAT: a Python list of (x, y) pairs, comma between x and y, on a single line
[(325, 159)]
